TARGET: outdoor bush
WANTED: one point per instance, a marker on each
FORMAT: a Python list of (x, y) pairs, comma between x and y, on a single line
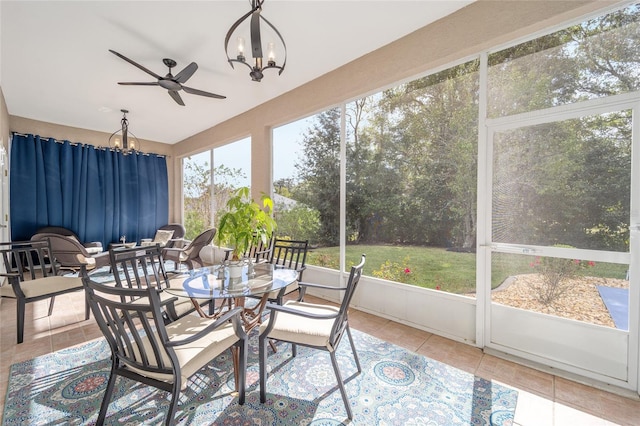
[(556, 275), (393, 271), (325, 260), (298, 222)]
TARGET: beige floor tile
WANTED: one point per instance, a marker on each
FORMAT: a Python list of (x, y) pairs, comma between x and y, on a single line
[(402, 335), (456, 354)]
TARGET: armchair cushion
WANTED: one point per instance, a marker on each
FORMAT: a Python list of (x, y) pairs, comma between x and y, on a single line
[(162, 237)]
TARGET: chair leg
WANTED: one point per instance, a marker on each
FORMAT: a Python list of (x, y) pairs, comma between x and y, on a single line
[(53, 299), (20, 312), (104, 406), (262, 360), (273, 346), (242, 373), (87, 308), (175, 396), (353, 349), (343, 391)]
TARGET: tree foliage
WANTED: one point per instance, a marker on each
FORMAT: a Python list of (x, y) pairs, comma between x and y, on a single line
[(412, 153)]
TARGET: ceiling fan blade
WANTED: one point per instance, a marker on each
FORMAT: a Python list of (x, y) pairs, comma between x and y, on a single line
[(186, 73), (176, 97), (135, 64), (154, 83), (202, 93)]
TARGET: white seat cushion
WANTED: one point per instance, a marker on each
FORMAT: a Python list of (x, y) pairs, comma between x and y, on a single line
[(298, 329), (42, 286), (181, 304), (193, 356)]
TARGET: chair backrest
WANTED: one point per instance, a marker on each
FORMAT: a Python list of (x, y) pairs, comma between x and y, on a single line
[(290, 254), (341, 321), (135, 331), (20, 257), (260, 251), (67, 250), (58, 230), (193, 249), (139, 267), (177, 228)]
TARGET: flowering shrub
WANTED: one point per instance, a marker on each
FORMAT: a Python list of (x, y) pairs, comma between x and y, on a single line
[(393, 271), (325, 260), (556, 273)]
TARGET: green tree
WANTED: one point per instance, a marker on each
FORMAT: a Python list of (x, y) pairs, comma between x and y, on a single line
[(319, 174), (200, 200)]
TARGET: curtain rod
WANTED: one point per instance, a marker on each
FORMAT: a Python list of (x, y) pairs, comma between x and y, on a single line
[(103, 148)]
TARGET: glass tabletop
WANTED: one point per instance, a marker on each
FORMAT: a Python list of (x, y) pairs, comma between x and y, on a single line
[(214, 282)]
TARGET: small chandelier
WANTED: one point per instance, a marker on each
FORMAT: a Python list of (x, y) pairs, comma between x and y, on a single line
[(128, 145), (256, 44)]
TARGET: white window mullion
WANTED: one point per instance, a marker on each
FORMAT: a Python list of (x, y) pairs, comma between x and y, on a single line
[(483, 255)]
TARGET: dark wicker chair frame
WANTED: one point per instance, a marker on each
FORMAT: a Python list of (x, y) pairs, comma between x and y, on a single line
[(68, 233), (190, 255)]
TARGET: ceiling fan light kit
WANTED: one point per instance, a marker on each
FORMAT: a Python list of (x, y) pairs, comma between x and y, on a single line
[(256, 68)]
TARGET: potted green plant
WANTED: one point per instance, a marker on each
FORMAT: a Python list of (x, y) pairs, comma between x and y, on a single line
[(245, 222)]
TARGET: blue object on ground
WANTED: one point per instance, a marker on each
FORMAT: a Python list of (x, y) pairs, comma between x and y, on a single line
[(617, 302)]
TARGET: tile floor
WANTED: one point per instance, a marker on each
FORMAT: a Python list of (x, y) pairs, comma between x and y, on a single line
[(543, 399)]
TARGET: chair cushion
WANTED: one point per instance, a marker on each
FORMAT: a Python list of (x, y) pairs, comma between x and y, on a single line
[(182, 305), (298, 329), (43, 286), (193, 356), (162, 237), (94, 250)]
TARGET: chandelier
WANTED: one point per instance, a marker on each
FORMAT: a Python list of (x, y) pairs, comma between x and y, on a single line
[(128, 145), (256, 67)]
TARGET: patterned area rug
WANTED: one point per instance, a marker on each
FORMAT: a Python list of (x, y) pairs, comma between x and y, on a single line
[(396, 387)]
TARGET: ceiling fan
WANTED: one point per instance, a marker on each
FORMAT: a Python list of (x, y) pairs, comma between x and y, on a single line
[(172, 83)]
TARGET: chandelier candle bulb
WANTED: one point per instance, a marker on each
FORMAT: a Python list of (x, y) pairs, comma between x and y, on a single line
[(271, 49), (240, 48)]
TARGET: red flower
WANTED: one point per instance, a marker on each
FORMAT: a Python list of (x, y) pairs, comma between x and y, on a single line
[(591, 263), (437, 287), (407, 270)]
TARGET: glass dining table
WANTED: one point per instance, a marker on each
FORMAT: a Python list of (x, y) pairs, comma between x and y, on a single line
[(215, 283)]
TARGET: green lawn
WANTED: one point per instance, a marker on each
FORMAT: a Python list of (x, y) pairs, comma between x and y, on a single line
[(431, 267)]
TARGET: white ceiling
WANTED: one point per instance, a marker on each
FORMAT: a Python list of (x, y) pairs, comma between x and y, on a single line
[(56, 66)]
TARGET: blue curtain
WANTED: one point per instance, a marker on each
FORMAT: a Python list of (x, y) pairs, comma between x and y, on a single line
[(99, 194)]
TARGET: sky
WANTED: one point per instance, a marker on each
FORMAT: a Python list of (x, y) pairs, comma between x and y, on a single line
[(286, 152)]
